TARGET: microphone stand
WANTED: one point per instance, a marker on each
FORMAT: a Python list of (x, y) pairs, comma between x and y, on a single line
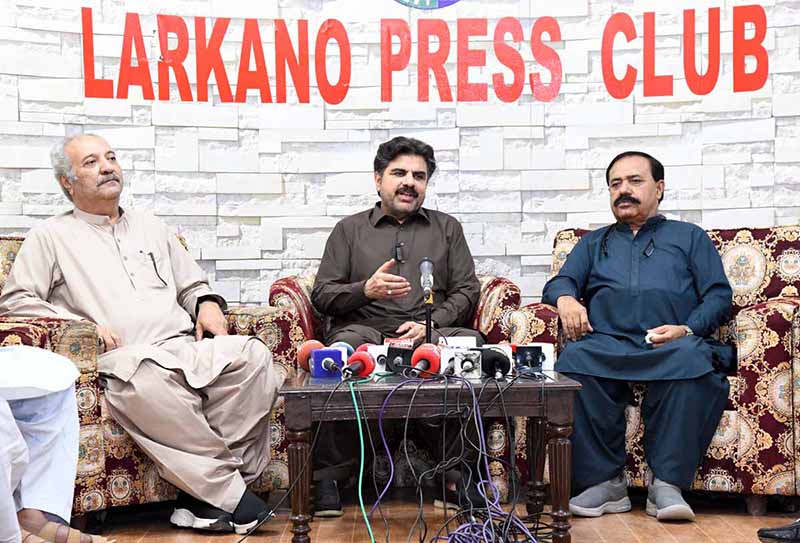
[(428, 310)]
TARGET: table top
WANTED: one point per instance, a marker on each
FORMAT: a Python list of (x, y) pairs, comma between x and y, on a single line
[(313, 399), (303, 383)]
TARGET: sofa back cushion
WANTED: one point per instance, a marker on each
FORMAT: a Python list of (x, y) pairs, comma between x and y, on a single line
[(9, 248)]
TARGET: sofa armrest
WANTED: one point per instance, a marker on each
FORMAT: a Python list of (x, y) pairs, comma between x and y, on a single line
[(279, 329), (498, 295), (534, 323), (292, 293), (74, 339)]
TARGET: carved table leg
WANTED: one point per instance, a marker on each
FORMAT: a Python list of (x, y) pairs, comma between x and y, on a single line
[(559, 449), (537, 430), (301, 495)]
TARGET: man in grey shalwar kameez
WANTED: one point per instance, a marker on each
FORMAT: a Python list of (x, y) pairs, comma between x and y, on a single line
[(198, 407), (655, 291)]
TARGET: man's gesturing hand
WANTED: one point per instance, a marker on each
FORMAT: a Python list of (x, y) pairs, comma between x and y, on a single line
[(383, 285), (574, 317), (211, 319), (108, 340)]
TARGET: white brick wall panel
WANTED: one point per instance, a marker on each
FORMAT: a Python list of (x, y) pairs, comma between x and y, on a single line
[(537, 180), (191, 183), (278, 116), (224, 265), (14, 208), (42, 89), (13, 156), (359, 183), (216, 156), (333, 158), (184, 114), (176, 150), (786, 105), (197, 205), (249, 183), (231, 253), (128, 137), (506, 170), (734, 218), (468, 115), (219, 134), (490, 182), (38, 181), (439, 139), (739, 131)]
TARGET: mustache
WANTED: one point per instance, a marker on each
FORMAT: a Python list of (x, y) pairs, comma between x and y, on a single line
[(103, 179), (407, 190), (626, 198)]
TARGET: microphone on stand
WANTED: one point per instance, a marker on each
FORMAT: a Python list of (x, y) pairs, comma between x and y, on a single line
[(426, 276), (426, 282)]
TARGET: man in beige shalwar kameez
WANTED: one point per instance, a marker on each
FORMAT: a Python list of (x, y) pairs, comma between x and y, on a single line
[(198, 407)]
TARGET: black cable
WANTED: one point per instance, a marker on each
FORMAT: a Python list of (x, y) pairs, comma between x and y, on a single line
[(420, 517), (512, 452), (302, 470)]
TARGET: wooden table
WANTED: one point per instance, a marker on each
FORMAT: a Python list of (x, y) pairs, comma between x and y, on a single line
[(547, 404)]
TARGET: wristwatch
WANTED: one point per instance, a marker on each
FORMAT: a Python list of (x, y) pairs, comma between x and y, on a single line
[(688, 330)]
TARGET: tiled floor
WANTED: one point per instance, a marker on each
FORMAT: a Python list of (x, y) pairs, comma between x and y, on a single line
[(718, 521)]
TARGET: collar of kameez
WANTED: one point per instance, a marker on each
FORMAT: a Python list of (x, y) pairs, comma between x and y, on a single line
[(377, 215), (91, 218), (652, 222)]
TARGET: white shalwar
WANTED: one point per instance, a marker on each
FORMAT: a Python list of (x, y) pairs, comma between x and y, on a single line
[(38, 439)]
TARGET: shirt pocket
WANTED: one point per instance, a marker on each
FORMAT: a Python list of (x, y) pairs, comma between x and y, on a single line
[(154, 270)]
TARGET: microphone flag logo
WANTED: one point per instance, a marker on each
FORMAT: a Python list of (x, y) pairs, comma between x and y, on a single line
[(427, 4)]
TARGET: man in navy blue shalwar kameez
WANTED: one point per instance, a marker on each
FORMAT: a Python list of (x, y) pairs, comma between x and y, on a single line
[(654, 292)]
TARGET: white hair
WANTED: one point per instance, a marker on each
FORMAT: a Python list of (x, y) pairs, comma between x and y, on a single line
[(62, 165)]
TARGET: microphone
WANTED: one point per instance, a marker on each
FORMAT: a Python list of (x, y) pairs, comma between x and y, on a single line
[(329, 364), (364, 347), (343, 345), (426, 359), (304, 352), (495, 363), (426, 275), (360, 364)]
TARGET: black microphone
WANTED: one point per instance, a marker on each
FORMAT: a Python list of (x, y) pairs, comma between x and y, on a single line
[(426, 275), (495, 363), (329, 364), (649, 249)]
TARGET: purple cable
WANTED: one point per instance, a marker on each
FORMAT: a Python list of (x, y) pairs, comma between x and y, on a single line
[(385, 444), (495, 511)]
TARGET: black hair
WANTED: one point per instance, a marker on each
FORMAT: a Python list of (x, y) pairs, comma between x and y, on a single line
[(399, 146), (656, 168)]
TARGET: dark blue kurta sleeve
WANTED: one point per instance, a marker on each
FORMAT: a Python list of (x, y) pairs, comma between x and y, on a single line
[(712, 286), (573, 276)]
